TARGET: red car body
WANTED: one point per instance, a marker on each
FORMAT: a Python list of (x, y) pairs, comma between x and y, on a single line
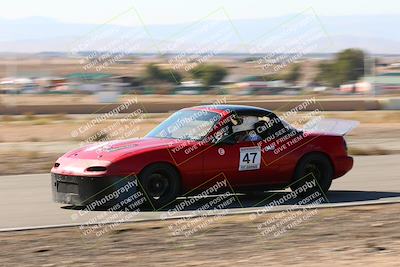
[(81, 173)]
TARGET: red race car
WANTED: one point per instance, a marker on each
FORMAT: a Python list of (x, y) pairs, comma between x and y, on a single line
[(252, 148)]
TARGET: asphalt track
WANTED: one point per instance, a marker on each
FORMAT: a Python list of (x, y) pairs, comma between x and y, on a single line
[(25, 200)]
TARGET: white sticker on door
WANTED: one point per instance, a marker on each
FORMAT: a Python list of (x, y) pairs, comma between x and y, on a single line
[(250, 158)]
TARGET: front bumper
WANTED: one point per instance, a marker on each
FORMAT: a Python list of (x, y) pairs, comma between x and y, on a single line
[(94, 191)]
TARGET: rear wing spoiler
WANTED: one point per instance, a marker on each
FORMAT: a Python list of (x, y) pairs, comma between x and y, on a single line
[(330, 126)]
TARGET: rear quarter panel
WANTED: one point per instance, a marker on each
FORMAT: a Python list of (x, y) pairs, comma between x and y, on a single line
[(330, 145)]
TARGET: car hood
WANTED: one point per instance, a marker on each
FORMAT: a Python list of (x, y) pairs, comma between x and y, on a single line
[(104, 154), (113, 150)]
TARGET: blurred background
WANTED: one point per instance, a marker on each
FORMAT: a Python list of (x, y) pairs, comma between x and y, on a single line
[(64, 64), (76, 72)]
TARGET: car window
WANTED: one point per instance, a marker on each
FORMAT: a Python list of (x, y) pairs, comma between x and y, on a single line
[(272, 126), (248, 128), (245, 131)]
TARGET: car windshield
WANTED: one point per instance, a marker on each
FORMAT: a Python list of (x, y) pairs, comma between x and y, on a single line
[(186, 125)]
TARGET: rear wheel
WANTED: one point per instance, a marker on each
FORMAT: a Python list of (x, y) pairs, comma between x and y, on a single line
[(313, 172), (160, 183)]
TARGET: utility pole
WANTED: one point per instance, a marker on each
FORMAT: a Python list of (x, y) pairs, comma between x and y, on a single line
[(369, 70)]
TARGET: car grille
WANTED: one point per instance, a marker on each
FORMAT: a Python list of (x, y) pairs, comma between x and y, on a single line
[(66, 184), (67, 188)]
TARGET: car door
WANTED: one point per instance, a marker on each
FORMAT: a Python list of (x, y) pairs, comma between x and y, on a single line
[(266, 161), (239, 163), (279, 152), (234, 155)]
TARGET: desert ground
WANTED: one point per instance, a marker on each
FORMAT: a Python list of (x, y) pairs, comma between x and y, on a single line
[(360, 236)]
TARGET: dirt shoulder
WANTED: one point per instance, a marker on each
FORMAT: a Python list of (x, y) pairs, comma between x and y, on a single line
[(360, 236)]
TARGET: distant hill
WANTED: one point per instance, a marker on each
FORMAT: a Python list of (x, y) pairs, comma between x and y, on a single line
[(375, 33)]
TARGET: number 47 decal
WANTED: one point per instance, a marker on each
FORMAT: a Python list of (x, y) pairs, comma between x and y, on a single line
[(247, 157), (250, 158)]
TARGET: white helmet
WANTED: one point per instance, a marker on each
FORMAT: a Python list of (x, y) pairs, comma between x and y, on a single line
[(246, 125)]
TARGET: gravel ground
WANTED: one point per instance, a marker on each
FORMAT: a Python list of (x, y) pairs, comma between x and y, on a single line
[(356, 236)]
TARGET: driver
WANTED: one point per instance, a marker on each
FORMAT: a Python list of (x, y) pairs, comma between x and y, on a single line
[(245, 131)]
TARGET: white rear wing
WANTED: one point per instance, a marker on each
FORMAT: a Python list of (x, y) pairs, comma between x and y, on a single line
[(330, 126)]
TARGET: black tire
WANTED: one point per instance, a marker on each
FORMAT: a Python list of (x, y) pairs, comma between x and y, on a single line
[(161, 184), (313, 166)]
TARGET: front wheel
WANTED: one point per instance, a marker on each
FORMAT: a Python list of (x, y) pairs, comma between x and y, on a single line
[(160, 183), (313, 173)]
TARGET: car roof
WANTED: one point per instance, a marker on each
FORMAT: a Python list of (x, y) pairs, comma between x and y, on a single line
[(239, 109)]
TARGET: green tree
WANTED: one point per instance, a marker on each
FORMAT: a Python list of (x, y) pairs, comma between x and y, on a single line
[(209, 74), (271, 77), (348, 65), (172, 76), (155, 73), (326, 73), (294, 73)]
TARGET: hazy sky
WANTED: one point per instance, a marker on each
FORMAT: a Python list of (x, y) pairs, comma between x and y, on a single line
[(175, 11)]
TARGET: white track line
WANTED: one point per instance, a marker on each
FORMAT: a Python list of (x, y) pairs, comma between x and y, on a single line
[(238, 211)]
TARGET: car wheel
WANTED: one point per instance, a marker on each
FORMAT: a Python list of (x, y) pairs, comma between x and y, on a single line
[(160, 183), (313, 166)]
